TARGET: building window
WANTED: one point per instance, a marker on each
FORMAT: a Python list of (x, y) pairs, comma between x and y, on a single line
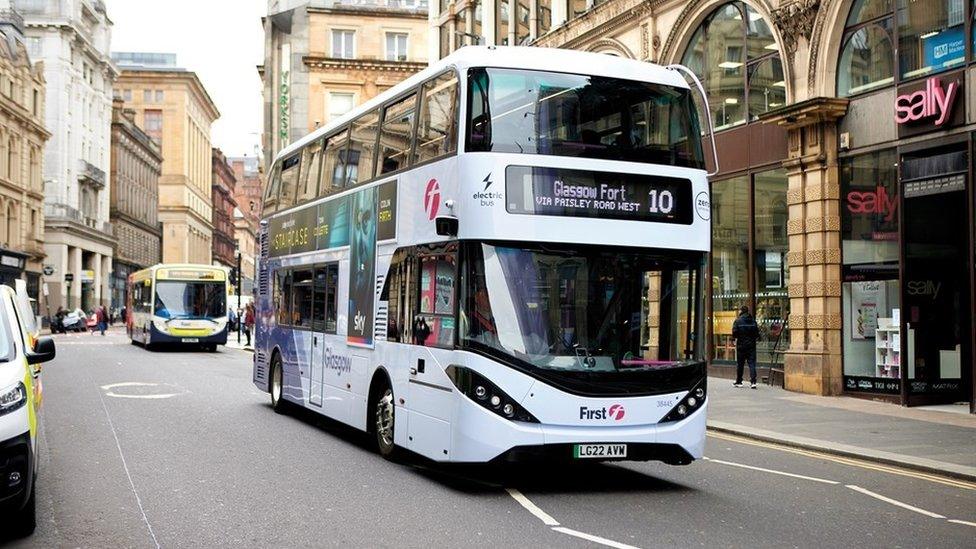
[(340, 104), (737, 59), (396, 46), (153, 123), (931, 36), (749, 267), (522, 22), (147, 96), (545, 16), (159, 96), (926, 36), (343, 44), (503, 16), (127, 96)]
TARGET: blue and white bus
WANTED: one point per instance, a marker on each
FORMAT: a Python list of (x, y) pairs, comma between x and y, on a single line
[(501, 257)]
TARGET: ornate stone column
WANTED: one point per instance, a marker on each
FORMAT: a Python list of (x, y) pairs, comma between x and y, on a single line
[(813, 362)]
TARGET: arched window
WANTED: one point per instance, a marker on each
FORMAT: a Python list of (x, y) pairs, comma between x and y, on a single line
[(928, 37), (735, 55)]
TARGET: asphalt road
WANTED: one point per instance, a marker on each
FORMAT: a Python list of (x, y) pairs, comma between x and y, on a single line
[(199, 459)]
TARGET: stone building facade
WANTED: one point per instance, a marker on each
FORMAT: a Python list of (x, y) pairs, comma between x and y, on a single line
[(22, 138), (840, 202), (175, 110), (248, 194), (324, 57), (134, 207), (73, 38), (222, 196)]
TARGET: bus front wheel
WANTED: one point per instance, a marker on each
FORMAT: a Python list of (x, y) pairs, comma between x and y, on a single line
[(277, 403), (385, 415)]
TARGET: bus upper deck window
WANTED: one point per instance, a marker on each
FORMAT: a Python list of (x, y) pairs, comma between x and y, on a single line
[(289, 182), (362, 146), (396, 135), (437, 124), (333, 172)]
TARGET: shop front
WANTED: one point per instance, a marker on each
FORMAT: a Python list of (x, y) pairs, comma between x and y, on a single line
[(907, 232)]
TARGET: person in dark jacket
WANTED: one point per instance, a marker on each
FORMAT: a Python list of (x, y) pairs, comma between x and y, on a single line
[(746, 333)]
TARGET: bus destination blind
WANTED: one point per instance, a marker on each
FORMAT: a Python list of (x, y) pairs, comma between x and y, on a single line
[(602, 195)]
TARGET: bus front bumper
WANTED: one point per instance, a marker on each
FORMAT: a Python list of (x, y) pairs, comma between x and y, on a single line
[(157, 336), (481, 437)]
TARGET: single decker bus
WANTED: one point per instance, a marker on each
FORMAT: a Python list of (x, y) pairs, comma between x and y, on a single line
[(182, 304), (500, 258)]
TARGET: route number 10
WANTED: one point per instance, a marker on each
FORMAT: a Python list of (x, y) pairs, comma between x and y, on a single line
[(660, 202)]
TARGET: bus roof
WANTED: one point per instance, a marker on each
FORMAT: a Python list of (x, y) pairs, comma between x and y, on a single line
[(514, 57)]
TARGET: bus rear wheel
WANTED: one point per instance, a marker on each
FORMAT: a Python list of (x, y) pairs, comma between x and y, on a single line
[(384, 422), (277, 403)]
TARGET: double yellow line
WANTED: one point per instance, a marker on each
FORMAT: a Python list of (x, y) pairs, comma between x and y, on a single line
[(956, 483)]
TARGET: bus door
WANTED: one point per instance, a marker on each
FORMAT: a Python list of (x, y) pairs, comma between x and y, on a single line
[(428, 394), (327, 364), (316, 367)]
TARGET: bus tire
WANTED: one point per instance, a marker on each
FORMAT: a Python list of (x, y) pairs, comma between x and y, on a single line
[(384, 418), (276, 385)]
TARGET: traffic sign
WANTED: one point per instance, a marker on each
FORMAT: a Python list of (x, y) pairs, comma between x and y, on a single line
[(48, 270), (68, 277)]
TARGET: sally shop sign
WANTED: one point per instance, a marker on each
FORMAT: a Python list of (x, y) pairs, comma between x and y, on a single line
[(929, 105)]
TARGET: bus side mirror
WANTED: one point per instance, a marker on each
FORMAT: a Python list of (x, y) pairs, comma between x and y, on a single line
[(446, 225), (43, 351)]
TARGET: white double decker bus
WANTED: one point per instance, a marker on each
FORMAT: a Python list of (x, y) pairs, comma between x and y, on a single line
[(500, 258)]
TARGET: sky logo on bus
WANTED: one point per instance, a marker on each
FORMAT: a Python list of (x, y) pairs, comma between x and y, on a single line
[(616, 412), (432, 199)]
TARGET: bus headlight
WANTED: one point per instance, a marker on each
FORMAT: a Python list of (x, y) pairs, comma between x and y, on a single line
[(694, 400), (487, 395), (12, 398)]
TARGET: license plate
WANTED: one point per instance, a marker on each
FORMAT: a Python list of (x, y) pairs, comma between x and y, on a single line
[(599, 451), (191, 340)]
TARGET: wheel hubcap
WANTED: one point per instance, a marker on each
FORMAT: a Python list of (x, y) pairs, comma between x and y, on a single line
[(276, 384), (384, 418)]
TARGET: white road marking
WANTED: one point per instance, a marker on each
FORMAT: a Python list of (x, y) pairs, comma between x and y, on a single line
[(764, 470), (127, 474), (966, 522), (592, 538), (109, 392), (532, 508), (547, 519), (895, 502)]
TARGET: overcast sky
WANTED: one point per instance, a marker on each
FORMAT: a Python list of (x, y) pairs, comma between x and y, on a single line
[(221, 40)]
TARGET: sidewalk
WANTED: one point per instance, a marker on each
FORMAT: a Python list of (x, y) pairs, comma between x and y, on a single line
[(233, 344), (925, 440)]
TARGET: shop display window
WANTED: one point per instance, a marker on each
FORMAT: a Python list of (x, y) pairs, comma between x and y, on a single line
[(870, 292), (730, 260)]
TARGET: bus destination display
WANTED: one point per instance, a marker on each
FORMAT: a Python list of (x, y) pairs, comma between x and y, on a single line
[(603, 195)]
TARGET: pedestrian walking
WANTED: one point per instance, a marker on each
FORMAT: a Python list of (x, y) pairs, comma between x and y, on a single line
[(746, 334), (101, 318), (248, 322)]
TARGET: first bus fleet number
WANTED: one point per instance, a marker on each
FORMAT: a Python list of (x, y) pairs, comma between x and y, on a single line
[(606, 197)]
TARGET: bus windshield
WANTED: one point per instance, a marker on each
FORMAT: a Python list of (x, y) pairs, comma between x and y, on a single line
[(583, 309), (534, 112), (190, 300)]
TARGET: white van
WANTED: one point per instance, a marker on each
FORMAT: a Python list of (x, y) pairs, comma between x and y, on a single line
[(22, 350)]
